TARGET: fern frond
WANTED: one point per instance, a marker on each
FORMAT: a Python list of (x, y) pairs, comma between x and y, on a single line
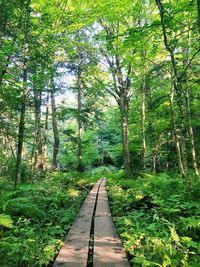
[(6, 221)]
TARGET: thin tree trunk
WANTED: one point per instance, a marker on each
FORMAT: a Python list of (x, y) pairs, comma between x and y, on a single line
[(175, 132), (80, 124), (23, 101), (188, 105), (153, 147), (182, 125), (32, 157), (151, 129), (143, 126), (191, 135), (46, 134), (55, 126), (38, 142), (21, 133)]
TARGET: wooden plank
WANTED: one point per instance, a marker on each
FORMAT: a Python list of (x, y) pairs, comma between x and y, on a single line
[(108, 250), (102, 208), (74, 252)]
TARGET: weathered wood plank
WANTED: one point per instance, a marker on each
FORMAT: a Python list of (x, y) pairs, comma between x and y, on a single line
[(108, 250), (74, 252)]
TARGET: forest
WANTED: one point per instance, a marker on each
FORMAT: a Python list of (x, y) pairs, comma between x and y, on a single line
[(102, 88)]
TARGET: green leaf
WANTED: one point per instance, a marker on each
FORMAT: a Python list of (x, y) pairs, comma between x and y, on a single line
[(6, 221)]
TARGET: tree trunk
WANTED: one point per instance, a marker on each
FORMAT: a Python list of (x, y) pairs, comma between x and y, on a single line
[(143, 126), (151, 130), (188, 106), (21, 132), (153, 147), (80, 124), (175, 132), (45, 160), (191, 135), (125, 139), (55, 126), (38, 161), (23, 100)]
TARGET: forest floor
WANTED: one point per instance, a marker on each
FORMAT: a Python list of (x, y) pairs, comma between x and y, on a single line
[(156, 216)]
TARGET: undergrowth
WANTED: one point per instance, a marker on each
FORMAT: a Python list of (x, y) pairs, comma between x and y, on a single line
[(41, 214), (157, 219)]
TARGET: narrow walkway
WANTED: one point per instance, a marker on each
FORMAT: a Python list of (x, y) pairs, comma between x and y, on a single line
[(92, 239), (107, 245)]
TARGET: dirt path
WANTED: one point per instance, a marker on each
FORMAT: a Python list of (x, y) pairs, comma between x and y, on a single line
[(92, 239)]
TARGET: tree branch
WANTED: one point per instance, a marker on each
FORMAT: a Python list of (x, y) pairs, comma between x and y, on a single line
[(189, 63)]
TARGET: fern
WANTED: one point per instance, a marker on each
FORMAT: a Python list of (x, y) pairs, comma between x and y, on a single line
[(6, 221), (191, 222)]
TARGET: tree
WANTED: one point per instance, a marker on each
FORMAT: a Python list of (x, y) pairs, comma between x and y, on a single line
[(54, 123), (24, 93), (178, 85), (121, 89)]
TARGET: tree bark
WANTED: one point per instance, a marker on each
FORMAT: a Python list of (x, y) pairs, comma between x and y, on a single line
[(124, 114), (55, 126), (153, 147), (143, 126), (46, 133), (80, 124), (21, 132), (38, 161), (23, 100), (191, 135)]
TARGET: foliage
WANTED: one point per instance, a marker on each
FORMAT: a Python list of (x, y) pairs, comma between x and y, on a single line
[(42, 213), (157, 218), (6, 221)]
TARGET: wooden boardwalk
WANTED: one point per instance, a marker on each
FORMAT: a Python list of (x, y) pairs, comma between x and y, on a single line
[(93, 235)]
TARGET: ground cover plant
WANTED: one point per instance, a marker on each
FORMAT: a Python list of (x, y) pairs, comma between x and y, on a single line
[(41, 214), (158, 219)]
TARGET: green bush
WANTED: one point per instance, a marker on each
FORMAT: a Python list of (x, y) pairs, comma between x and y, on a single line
[(102, 170)]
